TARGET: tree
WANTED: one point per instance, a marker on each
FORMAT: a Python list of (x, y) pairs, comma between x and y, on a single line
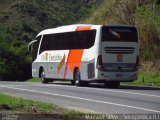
[(124, 11), (15, 62)]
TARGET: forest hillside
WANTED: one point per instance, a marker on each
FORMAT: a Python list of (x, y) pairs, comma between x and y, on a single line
[(21, 20)]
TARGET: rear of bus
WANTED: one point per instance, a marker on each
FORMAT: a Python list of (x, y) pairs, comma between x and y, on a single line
[(118, 58)]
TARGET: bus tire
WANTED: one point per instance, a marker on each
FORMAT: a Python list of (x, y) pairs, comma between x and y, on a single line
[(112, 84), (43, 79), (85, 83), (73, 82), (77, 79)]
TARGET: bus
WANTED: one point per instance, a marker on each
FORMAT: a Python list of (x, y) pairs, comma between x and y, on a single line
[(84, 53)]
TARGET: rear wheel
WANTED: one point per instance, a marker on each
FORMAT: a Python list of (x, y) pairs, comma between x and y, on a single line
[(72, 82), (43, 79), (112, 84), (77, 79)]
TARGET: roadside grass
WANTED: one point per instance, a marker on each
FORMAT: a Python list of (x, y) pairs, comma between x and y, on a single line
[(34, 80), (38, 80), (144, 79), (19, 105), (147, 79), (13, 104), (70, 113)]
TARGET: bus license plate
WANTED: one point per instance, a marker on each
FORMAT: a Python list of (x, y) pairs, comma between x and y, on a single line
[(119, 75)]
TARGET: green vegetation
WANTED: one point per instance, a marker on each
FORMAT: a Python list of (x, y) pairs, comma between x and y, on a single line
[(23, 105), (143, 14), (15, 62), (149, 74), (146, 16), (147, 79), (25, 18), (34, 80), (148, 24), (71, 113), (19, 105), (21, 20)]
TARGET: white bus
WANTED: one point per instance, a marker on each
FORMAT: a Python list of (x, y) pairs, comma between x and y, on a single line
[(86, 53)]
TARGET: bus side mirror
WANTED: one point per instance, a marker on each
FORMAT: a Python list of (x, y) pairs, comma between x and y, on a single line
[(29, 48), (30, 44)]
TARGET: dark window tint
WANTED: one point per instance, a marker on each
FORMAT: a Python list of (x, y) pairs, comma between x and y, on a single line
[(68, 40), (35, 48), (119, 34)]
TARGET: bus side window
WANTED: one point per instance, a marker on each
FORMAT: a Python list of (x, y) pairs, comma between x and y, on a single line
[(68, 40), (85, 39)]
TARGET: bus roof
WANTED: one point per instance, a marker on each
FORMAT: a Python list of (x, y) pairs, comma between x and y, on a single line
[(67, 28), (118, 25)]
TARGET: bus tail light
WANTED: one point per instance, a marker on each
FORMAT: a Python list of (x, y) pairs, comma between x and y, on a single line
[(99, 63), (137, 63)]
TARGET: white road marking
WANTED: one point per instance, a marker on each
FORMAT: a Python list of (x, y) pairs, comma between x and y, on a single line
[(116, 91), (17, 85), (119, 91), (85, 99)]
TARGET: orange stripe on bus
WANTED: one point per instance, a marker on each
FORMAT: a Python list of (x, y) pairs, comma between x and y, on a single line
[(75, 56), (65, 71), (75, 59), (83, 28)]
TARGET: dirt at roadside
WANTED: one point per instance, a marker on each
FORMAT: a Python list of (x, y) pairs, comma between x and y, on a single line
[(30, 116), (150, 66), (35, 116), (7, 113)]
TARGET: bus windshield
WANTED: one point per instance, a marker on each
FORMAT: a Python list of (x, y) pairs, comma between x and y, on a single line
[(35, 48), (119, 34)]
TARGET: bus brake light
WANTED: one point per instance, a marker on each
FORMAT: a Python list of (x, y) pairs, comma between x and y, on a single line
[(99, 63), (137, 63)]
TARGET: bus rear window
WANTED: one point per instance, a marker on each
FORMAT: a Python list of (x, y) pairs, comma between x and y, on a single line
[(119, 34)]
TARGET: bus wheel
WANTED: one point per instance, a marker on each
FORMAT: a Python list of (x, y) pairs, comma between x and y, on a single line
[(43, 79), (77, 79), (112, 84), (73, 82)]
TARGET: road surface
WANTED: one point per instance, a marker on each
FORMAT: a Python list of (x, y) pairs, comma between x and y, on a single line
[(96, 98)]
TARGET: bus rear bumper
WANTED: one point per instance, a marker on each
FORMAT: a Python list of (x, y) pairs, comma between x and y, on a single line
[(118, 76)]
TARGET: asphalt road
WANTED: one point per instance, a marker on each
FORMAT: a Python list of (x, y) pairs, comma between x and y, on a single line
[(96, 98)]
